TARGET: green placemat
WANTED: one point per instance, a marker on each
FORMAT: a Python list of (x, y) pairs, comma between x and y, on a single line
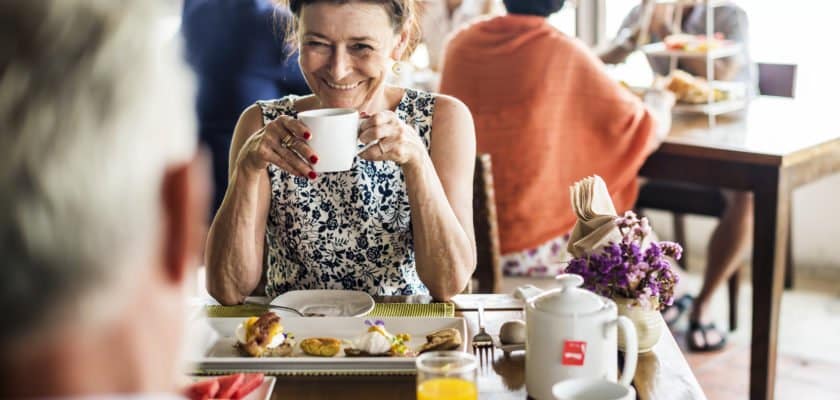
[(379, 310), (413, 310)]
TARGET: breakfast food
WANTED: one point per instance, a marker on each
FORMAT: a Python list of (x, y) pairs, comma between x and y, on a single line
[(377, 341), (445, 339), (693, 43), (263, 336), (234, 386), (513, 332), (321, 347), (691, 89)]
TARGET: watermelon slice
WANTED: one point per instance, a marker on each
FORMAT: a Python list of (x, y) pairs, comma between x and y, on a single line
[(202, 390), (228, 385), (249, 383)]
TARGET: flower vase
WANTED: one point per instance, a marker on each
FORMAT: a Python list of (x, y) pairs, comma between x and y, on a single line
[(646, 319)]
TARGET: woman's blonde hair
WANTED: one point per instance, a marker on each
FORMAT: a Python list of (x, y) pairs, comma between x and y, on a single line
[(402, 13)]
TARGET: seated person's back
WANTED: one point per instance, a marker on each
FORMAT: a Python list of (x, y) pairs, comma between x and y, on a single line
[(548, 116)]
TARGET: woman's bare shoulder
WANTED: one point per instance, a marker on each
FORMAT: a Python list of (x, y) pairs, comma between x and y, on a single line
[(449, 110)]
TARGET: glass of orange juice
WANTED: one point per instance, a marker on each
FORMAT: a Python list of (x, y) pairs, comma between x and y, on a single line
[(446, 375)]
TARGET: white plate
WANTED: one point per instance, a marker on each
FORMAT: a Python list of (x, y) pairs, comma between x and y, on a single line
[(222, 356), (726, 49), (263, 392), (331, 303)]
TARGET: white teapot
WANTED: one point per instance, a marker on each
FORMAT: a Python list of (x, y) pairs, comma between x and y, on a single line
[(571, 333)]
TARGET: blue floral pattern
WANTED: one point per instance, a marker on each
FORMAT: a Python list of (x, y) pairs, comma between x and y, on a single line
[(344, 230)]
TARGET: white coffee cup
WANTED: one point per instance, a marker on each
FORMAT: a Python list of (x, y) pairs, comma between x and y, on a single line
[(334, 138), (591, 389)]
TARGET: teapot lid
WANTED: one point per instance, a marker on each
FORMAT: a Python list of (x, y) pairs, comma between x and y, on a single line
[(569, 298)]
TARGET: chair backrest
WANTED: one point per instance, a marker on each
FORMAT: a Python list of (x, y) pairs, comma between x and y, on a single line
[(488, 269), (776, 79)]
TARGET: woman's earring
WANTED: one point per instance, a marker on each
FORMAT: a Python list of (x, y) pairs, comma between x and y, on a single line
[(397, 68)]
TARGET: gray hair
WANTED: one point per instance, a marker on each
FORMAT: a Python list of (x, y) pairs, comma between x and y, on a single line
[(93, 108)]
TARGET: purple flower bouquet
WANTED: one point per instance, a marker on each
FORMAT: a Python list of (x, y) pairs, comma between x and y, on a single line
[(634, 268)]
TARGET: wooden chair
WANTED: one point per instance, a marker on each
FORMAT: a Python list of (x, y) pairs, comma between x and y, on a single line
[(776, 79), (773, 80), (488, 271)]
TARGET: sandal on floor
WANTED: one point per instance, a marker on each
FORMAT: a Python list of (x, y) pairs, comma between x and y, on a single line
[(681, 305), (694, 327)]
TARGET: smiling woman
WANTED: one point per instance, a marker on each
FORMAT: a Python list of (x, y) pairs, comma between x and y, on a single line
[(398, 222)]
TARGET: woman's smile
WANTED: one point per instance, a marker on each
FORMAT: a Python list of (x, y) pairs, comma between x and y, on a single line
[(340, 86)]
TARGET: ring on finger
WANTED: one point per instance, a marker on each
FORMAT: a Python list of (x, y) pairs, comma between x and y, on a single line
[(287, 141)]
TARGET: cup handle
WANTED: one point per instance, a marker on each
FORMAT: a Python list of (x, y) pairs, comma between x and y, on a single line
[(367, 146), (631, 353)]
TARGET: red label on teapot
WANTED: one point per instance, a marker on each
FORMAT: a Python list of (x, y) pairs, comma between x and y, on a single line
[(573, 352)]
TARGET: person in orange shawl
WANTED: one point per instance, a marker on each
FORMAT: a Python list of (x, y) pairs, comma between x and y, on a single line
[(548, 115)]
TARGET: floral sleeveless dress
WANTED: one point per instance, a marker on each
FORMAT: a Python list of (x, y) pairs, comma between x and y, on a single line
[(344, 230)]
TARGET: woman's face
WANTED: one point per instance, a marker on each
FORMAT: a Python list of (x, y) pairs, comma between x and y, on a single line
[(346, 51)]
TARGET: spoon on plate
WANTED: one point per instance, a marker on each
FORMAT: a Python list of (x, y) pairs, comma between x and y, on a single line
[(292, 309)]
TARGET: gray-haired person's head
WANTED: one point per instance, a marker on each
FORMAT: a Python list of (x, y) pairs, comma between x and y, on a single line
[(541, 8), (93, 110)]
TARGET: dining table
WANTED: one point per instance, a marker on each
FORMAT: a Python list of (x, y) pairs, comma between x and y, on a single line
[(662, 373), (773, 147)]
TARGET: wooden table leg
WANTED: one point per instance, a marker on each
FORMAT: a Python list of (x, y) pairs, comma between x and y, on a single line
[(769, 235)]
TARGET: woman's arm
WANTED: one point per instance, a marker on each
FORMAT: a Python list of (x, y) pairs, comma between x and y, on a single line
[(234, 254), (617, 50), (236, 237), (440, 192)]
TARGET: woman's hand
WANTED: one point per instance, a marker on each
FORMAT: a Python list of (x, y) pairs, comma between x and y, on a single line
[(397, 141), (281, 142)]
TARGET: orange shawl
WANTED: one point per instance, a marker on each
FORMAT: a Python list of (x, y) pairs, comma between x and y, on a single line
[(548, 115)]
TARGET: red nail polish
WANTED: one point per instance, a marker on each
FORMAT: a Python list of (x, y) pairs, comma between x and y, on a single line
[(313, 159), (312, 175), (307, 135)]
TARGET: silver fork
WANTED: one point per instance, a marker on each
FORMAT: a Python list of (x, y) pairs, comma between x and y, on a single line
[(482, 343)]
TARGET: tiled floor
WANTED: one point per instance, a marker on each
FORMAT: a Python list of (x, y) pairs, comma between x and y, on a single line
[(809, 342)]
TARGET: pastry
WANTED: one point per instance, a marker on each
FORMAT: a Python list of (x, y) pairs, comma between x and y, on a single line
[(263, 336), (321, 347), (445, 339), (692, 90)]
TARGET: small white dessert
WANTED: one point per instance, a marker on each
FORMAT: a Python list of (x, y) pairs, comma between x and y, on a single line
[(373, 342), (378, 342)]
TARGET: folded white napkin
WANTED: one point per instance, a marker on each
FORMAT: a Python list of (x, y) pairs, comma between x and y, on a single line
[(596, 215)]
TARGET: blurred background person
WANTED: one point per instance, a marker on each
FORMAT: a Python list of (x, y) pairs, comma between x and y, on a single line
[(102, 200), (731, 239), (239, 52), (729, 20), (548, 115), (440, 18)]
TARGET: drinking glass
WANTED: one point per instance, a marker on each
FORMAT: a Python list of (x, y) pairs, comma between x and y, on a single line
[(446, 375)]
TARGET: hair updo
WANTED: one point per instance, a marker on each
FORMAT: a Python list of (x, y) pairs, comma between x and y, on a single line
[(402, 13)]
